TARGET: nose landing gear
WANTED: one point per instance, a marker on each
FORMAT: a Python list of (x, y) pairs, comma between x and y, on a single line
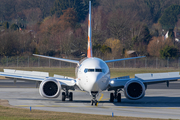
[(94, 100)]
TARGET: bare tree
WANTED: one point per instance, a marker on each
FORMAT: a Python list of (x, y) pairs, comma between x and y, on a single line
[(154, 46)]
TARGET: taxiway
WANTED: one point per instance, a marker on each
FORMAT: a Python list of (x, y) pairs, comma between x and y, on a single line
[(157, 103)]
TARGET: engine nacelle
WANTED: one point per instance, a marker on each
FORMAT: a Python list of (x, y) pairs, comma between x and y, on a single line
[(134, 89), (50, 88)]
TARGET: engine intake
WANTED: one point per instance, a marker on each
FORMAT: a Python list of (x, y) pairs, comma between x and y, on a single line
[(134, 89), (50, 88)]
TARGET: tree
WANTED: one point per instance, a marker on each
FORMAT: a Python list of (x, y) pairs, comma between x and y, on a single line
[(154, 46), (141, 41), (60, 5), (45, 6), (96, 50), (14, 27), (32, 15), (169, 51), (93, 3), (8, 9), (9, 44), (78, 40), (69, 18), (171, 33), (145, 35), (105, 49), (115, 45), (6, 25), (154, 8), (100, 51), (169, 17), (118, 25)]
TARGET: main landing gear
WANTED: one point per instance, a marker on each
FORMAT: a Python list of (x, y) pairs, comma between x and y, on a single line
[(67, 94), (115, 95), (94, 101)]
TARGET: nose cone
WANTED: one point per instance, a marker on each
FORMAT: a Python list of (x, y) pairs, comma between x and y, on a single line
[(93, 81)]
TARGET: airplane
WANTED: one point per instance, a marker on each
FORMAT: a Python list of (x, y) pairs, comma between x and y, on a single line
[(92, 76)]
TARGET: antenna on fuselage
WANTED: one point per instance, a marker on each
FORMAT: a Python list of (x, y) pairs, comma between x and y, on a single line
[(89, 49)]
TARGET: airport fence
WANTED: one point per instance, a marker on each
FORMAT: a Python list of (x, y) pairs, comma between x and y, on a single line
[(32, 61)]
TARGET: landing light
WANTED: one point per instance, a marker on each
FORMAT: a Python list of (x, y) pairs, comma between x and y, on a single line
[(72, 81), (112, 82)]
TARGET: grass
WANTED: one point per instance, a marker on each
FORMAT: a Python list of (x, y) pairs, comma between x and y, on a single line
[(10, 113), (70, 72), (115, 72)]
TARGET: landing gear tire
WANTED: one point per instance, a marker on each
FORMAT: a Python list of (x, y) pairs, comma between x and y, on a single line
[(111, 97), (119, 97), (63, 96), (70, 96), (94, 102)]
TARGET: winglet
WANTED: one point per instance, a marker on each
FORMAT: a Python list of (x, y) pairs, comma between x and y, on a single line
[(89, 49)]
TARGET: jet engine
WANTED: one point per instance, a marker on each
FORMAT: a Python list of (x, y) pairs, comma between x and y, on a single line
[(134, 89), (50, 88)]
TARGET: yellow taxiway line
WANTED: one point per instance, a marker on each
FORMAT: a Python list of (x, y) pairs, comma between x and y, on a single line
[(100, 98)]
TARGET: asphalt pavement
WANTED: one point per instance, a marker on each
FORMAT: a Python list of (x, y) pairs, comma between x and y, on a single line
[(159, 101)]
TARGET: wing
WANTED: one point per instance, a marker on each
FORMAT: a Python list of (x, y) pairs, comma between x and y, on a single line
[(153, 78), (55, 58), (146, 78), (37, 76), (108, 61)]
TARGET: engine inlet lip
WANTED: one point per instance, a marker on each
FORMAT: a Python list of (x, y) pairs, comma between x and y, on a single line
[(42, 85), (126, 89)]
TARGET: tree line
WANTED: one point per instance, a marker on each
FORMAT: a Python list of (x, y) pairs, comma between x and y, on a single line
[(59, 27)]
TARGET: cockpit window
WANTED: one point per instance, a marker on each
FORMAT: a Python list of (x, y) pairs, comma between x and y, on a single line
[(90, 70), (93, 70), (98, 70)]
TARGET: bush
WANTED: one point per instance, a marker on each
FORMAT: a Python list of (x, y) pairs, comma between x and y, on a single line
[(169, 51)]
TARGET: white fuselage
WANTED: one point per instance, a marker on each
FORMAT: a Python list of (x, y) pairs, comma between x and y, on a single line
[(93, 75)]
